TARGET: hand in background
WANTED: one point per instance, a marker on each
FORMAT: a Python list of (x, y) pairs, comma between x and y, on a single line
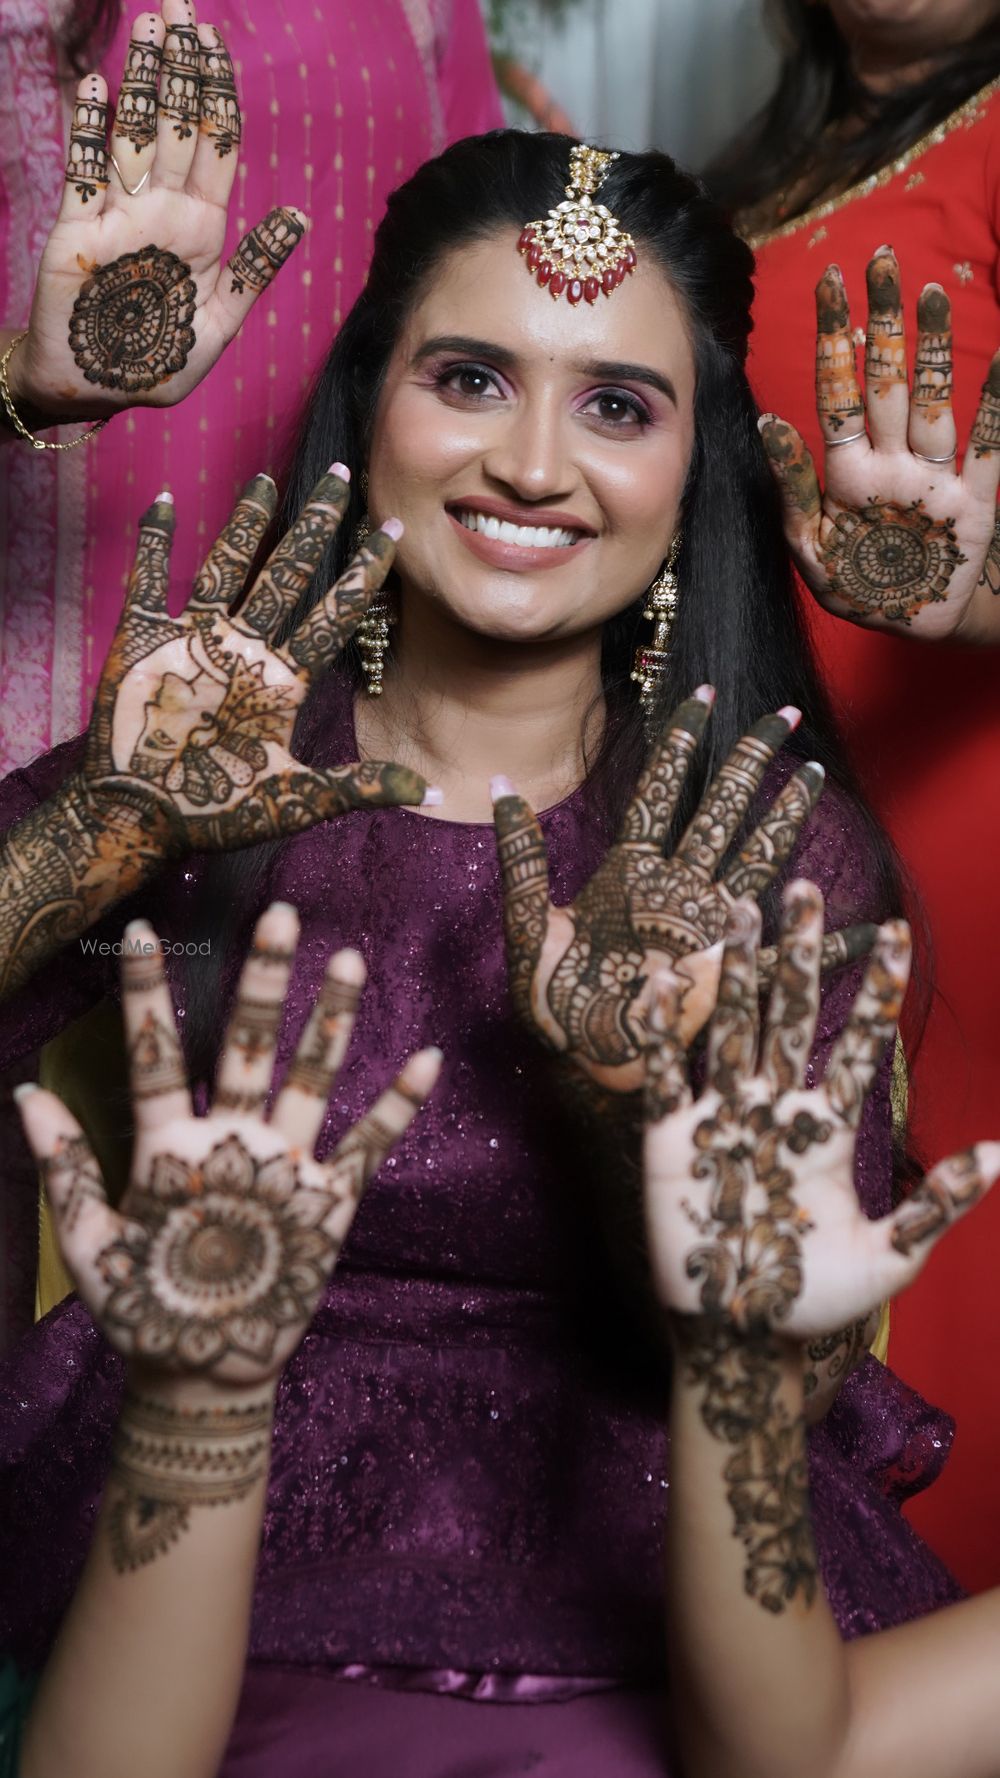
[(133, 302), (897, 539)]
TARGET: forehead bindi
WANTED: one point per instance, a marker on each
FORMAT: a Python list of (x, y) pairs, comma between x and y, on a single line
[(484, 292)]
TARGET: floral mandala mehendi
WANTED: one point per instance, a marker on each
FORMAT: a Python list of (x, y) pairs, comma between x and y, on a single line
[(891, 560), (131, 323), (225, 1255)]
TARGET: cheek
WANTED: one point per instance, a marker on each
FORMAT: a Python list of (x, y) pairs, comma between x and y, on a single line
[(418, 443)]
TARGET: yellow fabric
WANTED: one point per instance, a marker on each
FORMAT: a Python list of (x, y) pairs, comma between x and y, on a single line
[(85, 1065)]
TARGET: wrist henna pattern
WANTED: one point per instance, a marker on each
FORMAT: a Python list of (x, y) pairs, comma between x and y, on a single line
[(227, 1254), (766, 1476), (885, 347), (890, 561), (131, 326), (180, 79), (838, 397), (167, 1460), (932, 367), (262, 253), (136, 111), (221, 120), (87, 163), (946, 1193)]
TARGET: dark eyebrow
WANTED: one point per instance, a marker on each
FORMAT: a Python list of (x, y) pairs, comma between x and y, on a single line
[(601, 370), (604, 371), (469, 348)]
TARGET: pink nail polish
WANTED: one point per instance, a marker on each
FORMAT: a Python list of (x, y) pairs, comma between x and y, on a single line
[(433, 797), (22, 1090), (166, 498), (791, 715), (814, 766), (501, 786), (393, 528), (340, 469), (765, 420), (705, 694)]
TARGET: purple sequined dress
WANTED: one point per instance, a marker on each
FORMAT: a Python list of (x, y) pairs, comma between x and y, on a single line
[(460, 1574)]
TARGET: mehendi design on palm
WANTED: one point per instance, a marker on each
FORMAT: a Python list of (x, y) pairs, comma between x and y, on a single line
[(580, 976), (898, 537), (229, 1229), (188, 743), (753, 1226)]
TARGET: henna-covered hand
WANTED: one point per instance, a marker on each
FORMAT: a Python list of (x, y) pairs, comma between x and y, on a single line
[(134, 302), (188, 743), (581, 975), (228, 1230), (897, 539), (751, 1210), (755, 1232)]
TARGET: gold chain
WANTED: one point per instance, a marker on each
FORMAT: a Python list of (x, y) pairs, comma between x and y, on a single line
[(37, 444)]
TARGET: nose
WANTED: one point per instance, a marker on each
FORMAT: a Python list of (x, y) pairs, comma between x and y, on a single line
[(530, 458)]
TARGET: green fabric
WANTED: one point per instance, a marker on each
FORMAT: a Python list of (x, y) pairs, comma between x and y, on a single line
[(16, 1693)]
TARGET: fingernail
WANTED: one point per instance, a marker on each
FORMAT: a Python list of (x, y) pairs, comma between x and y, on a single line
[(340, 469), (880, 250), (23, 1088), (791, 715), (135, 927), (432, 1050), (765, 420), (432, 798), (813, 765), (705, 694), (165, 496), (500, 786), (393, 528), (933, 286), (281, 907)]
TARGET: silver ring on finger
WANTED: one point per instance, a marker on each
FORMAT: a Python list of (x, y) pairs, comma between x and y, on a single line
[(832, 443), (131, 191), (925, 459)]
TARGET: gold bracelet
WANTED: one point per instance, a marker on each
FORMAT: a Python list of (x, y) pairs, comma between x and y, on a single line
[(37, 444)]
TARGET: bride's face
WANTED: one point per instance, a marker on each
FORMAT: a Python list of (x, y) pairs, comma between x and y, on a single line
[(536, 453)]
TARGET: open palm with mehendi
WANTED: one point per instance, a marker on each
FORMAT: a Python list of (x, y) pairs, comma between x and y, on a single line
[(751, 1210), (581, 975), (134, 302), (897, 538), (754, 1231), (188, 744), (228, 1231)]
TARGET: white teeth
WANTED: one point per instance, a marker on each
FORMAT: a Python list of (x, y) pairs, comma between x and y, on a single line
[(524, 536)]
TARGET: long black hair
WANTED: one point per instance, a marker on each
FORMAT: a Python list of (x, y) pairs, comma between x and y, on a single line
[(793, 140), (738, 625)]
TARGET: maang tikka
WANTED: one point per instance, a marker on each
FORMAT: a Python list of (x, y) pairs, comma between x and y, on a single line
[(372, 633), (580, 248), (661, 608)]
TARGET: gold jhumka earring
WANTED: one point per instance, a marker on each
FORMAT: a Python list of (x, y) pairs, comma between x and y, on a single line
[(661, 609), (580, 248), (372, 633)]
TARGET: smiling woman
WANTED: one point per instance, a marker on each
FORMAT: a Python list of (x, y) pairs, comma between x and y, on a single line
[(469, 1470)]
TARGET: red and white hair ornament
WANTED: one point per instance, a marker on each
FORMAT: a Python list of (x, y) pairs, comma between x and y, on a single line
[(581, 249)]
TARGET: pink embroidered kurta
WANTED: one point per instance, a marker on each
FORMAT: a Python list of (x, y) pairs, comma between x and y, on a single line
[(342, 102)]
